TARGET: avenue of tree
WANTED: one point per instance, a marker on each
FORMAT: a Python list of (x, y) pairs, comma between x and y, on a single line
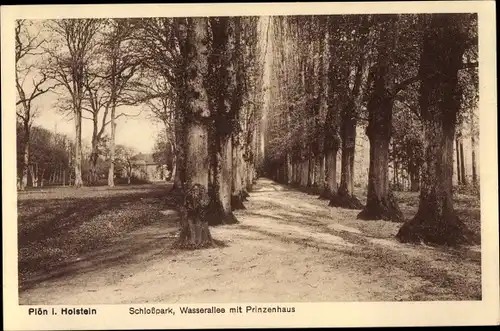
[(409, 80)]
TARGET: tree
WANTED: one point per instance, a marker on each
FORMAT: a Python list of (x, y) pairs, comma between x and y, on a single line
[(28, 50), (163, 152), (354, 95), (221, 92), (69, 57), (194, 231), (407, 148), (166, 54), (97, 101), (125, 157), (446, 39), (123, 61), (381, 204), (160, 104)]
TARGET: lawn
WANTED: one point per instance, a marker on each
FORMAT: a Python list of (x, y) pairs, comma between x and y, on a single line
[(59, 224)]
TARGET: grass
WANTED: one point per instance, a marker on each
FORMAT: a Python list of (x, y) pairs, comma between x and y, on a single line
[(57, 225)]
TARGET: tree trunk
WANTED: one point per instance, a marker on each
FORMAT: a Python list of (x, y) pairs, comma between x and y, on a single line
[(173, 173), (78, 150), (474, 169), (94, 156), (345, 196), (310, 172), (237, 189), (415, 180), (289, 170), (457, 149), (194, 230), (41, 179), (111, 172), (304, 172), (221, 210), (250, 176), (381, 203), (462, 163), (331, 175), (321, 180), (436, 221), (26, 157)]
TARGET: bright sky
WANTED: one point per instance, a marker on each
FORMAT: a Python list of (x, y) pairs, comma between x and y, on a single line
[(137, 132)]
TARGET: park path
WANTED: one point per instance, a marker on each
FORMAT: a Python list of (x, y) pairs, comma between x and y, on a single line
[(288, 247)]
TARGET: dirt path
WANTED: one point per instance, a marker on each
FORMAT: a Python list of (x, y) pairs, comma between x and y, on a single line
[(288, 246)]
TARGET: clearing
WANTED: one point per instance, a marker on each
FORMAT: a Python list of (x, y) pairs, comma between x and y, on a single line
[(113, 246)]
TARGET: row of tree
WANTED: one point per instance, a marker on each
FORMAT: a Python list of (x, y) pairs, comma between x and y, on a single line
[(410, 80), (201, 77), (52, 154), (207, 90)]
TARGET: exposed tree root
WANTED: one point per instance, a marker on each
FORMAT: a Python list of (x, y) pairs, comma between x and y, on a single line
[(345, 201), (427, 228), (313, 190), (385, 209), (194, 240), (326, 194), (237, 202), (195, 232), (217, 216), (176, 190), (244, 195)]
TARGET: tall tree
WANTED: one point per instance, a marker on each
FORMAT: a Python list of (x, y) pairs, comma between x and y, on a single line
[(195, 232), (225, 33), (123, 60), (358, 70), (69, 58), (446, 38), (381, 204), (28, 68)]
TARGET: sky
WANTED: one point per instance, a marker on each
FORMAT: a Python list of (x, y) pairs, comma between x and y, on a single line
[(136, 132)]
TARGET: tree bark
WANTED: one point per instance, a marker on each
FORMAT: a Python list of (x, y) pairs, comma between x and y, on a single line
[(26, 156), (237, 189), (94, 156), (381, 203), (221, 204), (345, 196), (436, 221), (462, 163), (474, 169), (304, 175), (78, 150), (331, 175), (111, 172), (459, 170), (194, 230), (321, 180), (415, 180), (310, 172), (289, 170)]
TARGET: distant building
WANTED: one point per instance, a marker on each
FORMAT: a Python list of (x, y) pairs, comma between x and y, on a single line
[(145, 168)]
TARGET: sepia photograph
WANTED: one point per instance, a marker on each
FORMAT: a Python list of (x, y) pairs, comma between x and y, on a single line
[(257, 161)]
